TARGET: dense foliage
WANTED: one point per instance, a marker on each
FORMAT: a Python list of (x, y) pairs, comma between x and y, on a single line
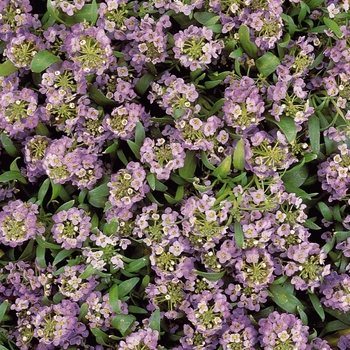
[(175, 174)]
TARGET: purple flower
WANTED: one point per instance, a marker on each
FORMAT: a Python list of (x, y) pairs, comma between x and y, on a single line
[(336, 291), (122, 120), (71, 285), (163, 157), (279, 330), (22, 48), (58, 325), (89, 49), (195, 47), (16, 16), (19, 223), (143, 338), (240, 334), (19, 112), (71, 227)]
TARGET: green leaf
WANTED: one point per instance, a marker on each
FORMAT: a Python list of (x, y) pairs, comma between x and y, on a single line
[(290, 23), (267, 63), (224, 168), (3, 308), (99, 97), (287, 126), (295, 179), (12, 176), (42, 60), (314, 133), (62, 255), (178, 196), (127, 286), (135, 148), (155, 321), (332, 25), (210, 276), (143, 83), (179, 113), (284, 299), (238, 155), (40, 256), (244, 37), (43, 190), (111, 227), (206, 162), (316, 304), (113, 298), (100, 191), (123, 323), (101, 337), (8, 145), (98, 202), (139, 134), (137, 265), (239, 234), (41, 241), (341, 316), (304, 9), (189, 168), (7, 68), (212, 84), (137, 310), (66, 206), (325, 211), (216, 28), (89, 271), (206, 18), (236, 53)]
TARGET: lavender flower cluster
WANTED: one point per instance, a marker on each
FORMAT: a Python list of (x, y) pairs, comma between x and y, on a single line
[(174, 174)]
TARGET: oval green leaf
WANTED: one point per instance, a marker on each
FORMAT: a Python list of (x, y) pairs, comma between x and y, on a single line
[(42, 60)]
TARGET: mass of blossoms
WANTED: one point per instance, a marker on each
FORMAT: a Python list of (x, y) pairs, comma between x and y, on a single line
[(174, 174)]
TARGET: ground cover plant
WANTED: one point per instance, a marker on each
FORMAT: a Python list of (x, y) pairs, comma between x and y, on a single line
[(174, 174)]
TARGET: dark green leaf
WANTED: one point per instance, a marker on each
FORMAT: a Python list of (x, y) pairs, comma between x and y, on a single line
[(127, 286), (178, 196), (206, 18), (62, 255), (7, 68), (139, 134), (12, 176), (42, 60), (41, 241), (137, 310), (295, 179), (8, 145), (210, 276), (267, 64), (89, 271), (315, 301), (284, 299), (325, 211), (43, 190), (332, 25), (135, 148), (244, 38), (40, 256), (98, 202), (100, 191), (143, 84), (189, 168), (206, 162), (239, 234), (287, 126), (111, 227), (123, 323), (212, 84), (66, 206), (238, 155), (101, 337), (3, 308), (151, 180), (99, 97), (304, 9), (155, 321), (114, 298), (137, 265), (314, 133)]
